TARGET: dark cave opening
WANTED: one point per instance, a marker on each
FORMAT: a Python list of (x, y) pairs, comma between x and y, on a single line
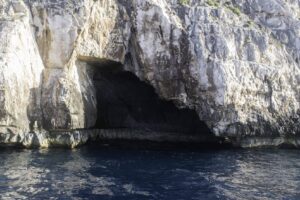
[(125, 102)]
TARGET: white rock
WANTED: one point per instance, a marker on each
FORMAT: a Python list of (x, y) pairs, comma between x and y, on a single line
[(237, 65)]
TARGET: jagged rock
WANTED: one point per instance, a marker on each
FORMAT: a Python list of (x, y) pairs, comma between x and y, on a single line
[(20, 70), (235, 62)]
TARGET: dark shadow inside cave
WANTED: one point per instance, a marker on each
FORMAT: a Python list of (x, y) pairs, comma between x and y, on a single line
[(123, 101)]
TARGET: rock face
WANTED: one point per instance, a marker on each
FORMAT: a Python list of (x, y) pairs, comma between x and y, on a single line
[(236, 63)]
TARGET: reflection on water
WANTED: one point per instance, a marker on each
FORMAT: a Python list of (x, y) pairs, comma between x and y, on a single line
[(90, 173)]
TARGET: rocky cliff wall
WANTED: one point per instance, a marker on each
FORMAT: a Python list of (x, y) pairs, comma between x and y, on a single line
[(235, 62)]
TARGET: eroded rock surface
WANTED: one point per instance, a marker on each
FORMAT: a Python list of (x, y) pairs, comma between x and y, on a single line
[(235, 62)]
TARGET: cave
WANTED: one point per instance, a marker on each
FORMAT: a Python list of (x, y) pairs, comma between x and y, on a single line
[(126, 102)]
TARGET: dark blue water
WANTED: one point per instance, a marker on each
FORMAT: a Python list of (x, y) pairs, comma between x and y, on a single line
[(92, 173)]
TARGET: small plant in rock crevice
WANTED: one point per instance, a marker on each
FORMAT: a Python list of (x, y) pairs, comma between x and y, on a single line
[(213, 3), (184, 2), (234, 9)]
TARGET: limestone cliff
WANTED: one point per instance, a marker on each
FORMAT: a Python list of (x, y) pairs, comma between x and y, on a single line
[(235, 63)]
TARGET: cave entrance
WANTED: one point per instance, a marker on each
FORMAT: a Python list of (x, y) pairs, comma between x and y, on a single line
[(125, 102)]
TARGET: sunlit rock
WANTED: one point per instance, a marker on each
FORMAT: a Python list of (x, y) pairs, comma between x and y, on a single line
[(236, 64)]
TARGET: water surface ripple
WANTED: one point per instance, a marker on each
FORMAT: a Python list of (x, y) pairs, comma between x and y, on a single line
[(97, 173)]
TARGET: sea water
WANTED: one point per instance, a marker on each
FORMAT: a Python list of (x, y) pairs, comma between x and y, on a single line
[(126, 173)]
